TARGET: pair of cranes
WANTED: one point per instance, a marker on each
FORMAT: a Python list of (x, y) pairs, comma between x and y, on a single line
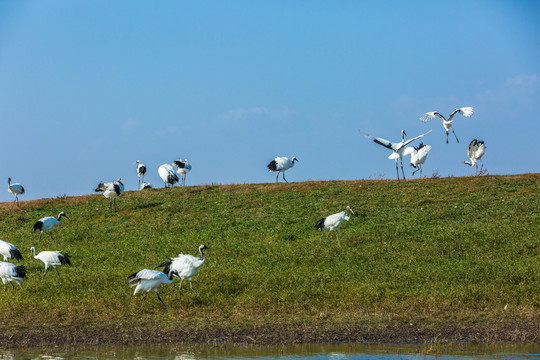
[(166, 173), (419, 154)]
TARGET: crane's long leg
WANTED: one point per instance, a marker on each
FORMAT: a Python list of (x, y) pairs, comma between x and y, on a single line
[(415, 171), (420, 170), (57, 271), (50, 233), (192, 289), (160, 299), (337, 239), (40, 236), (45, 273), (447, 136), (5, 289), (284, 177), (397, 170), (403, 172), (144, 298), (12, 287), (180, 287), (328, 235), (277, 176), (453, 132)]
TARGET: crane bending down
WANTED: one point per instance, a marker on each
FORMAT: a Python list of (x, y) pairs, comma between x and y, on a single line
[(280, 165), (16, 189), (418, 156), (397, 148), (166, 173), (10, 273), (148, 280), (447, 124), (475, 152), (186, 266), (332, 222), (51, 258), (141, 170), (47, 224), (9, 251), (111, 191), (184, 168)]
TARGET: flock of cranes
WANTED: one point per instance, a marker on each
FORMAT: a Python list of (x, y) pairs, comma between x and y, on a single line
[(419, 153), (186, 266)]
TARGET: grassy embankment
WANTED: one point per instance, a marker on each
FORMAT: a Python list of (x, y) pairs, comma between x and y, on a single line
[(421, 260)]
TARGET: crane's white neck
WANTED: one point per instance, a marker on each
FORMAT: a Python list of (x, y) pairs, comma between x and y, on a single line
[(33, 252), (202, 255)]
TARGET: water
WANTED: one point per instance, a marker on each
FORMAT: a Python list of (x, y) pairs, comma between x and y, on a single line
[(301, 352)]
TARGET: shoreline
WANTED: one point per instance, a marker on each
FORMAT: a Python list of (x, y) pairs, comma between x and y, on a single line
[(72, 336)]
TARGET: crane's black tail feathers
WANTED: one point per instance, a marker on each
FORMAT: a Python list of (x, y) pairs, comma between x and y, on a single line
[(15, 254), (272, 166), (172, 179), (64, 259), (100, 187), (166, 266), (133, 279), (20, 271), (320, 224), (142, 170), (38, 225)]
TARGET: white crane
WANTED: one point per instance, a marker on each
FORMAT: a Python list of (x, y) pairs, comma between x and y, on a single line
[(111, 191), (186, 266), (47, 224), (148, 280), (332, 222), (10, 272), (476, 150), (16, 189), (465, 111), (141, 170), (9, 251), (183, 169), (166, 173), (418, 156), (397, 148), (51, 258), (280, 165)]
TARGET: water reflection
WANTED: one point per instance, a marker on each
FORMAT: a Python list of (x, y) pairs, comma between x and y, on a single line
[(308, 352)]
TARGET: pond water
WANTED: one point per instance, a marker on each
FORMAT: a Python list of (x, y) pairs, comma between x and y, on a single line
[(308, 352)]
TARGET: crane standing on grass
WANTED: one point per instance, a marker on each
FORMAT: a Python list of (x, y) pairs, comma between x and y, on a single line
[(148, 280), (10, 273), (186, 266), (47, 224), (166, 173), (280, 165), (183, 169), (51, 258), (111, 191), (476, 150), (332, 222), (16, 189), (141, 170)]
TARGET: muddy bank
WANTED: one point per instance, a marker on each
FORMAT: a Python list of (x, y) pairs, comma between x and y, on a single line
[(78, 336)]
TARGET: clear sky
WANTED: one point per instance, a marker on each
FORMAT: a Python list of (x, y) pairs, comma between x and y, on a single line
[(88, 87)]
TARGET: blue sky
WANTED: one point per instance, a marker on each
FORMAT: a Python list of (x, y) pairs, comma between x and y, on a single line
[(88, 87)]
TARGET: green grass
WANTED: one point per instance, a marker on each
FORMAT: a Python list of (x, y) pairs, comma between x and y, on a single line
[(452, 249)]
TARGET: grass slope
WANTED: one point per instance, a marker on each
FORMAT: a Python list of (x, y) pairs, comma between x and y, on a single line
[(418, 257)]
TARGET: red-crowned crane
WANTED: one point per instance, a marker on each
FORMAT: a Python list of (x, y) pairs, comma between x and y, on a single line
[(148, 280), (166, 173), (47, 224), (183, 169), (418, 156), (476, 150), (10, 273), (332, 222), (51, 258), (111, 191), (141, 170), (465, 111), (186, 266), (280, 165), (397, 148), (9, 251), (16, 189)]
